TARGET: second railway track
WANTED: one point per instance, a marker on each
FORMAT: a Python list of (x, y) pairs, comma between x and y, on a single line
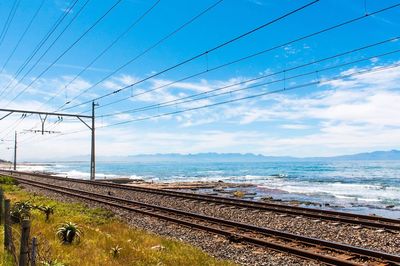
[(344, 217), (328, 252)]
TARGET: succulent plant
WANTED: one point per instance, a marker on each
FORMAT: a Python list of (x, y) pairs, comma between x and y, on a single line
[(21, 210), (68, 233), (47, 210), (115, 251)]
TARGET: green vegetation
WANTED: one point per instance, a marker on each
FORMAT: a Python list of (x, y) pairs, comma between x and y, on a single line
[(115, 251), (106, 241), (47, 210), (69, 233), (21, 210)]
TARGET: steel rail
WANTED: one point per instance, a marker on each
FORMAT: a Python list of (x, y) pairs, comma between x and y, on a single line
[(350, 218), (389, 259)]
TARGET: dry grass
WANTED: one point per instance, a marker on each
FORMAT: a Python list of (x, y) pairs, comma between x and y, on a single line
[(102, 232)]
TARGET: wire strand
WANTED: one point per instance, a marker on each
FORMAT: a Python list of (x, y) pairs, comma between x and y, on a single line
[(240, 59), (223, 44), (249, 80), (184, 25), (9, 20), (39, 45), (256, 95), (123, 34), (22, 36), (68, 49), (180, 100)]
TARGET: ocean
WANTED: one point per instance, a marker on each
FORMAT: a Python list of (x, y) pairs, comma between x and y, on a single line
[(357, 186)]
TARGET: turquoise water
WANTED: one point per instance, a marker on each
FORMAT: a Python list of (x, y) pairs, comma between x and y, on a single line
[(358, 185)]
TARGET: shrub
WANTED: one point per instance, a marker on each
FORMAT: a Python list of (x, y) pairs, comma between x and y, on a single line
[(69, 233), (6, 180)]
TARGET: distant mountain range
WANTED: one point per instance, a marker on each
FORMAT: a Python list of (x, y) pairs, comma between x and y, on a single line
[(376, 155), (239, 157)]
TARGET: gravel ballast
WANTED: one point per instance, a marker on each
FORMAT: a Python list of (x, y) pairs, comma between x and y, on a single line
[(214, 245), (385, 241)]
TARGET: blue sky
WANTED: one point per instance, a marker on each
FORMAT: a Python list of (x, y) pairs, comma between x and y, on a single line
[(346, 115)]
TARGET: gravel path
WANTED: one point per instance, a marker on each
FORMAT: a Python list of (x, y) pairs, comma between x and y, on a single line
[(214, 245), (386, 241)]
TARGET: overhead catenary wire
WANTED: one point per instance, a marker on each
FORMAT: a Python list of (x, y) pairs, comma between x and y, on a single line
[(105, 50), (13, 126), (223, 44), (158, 105), (188, 99), (65, 51), (22, 35), (76, 14), (40, 45), (252, 55), (313, 83), (9, 20), (335, 26), (169, 35)]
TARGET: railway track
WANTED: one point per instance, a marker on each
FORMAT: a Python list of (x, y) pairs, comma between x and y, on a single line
[(327, 252), (344, 217)]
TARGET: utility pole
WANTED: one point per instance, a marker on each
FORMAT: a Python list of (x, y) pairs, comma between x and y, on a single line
[(93, 148), (15, 151)]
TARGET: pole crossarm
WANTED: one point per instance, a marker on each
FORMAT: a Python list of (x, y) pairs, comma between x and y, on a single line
[(43, 113)]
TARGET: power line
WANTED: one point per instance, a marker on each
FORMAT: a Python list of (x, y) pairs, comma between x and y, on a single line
[(9, 20), (54, 136), (225, 43), (68, 49), (40, 45), (52, 44), (13, 126), (23, 35), (245, 81), (184, 25), (123, 34), (243, 58), (258, 95), (55, 40), (256, 54), (189, 98), (163, 39)]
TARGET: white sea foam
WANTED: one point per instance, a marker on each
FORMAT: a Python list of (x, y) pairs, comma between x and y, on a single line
[(359, 192)]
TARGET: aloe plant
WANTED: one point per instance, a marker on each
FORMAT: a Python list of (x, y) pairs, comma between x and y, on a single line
[(69, 233), (115, 251), (47, 210), (21, 210)]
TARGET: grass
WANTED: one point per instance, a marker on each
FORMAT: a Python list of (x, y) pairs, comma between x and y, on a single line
[(102, 233)]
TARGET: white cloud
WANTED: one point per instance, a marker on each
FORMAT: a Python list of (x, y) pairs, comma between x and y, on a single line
[(294, 126), (349, 115)]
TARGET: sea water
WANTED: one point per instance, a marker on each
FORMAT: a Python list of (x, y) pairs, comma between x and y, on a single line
[(358, 186)]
